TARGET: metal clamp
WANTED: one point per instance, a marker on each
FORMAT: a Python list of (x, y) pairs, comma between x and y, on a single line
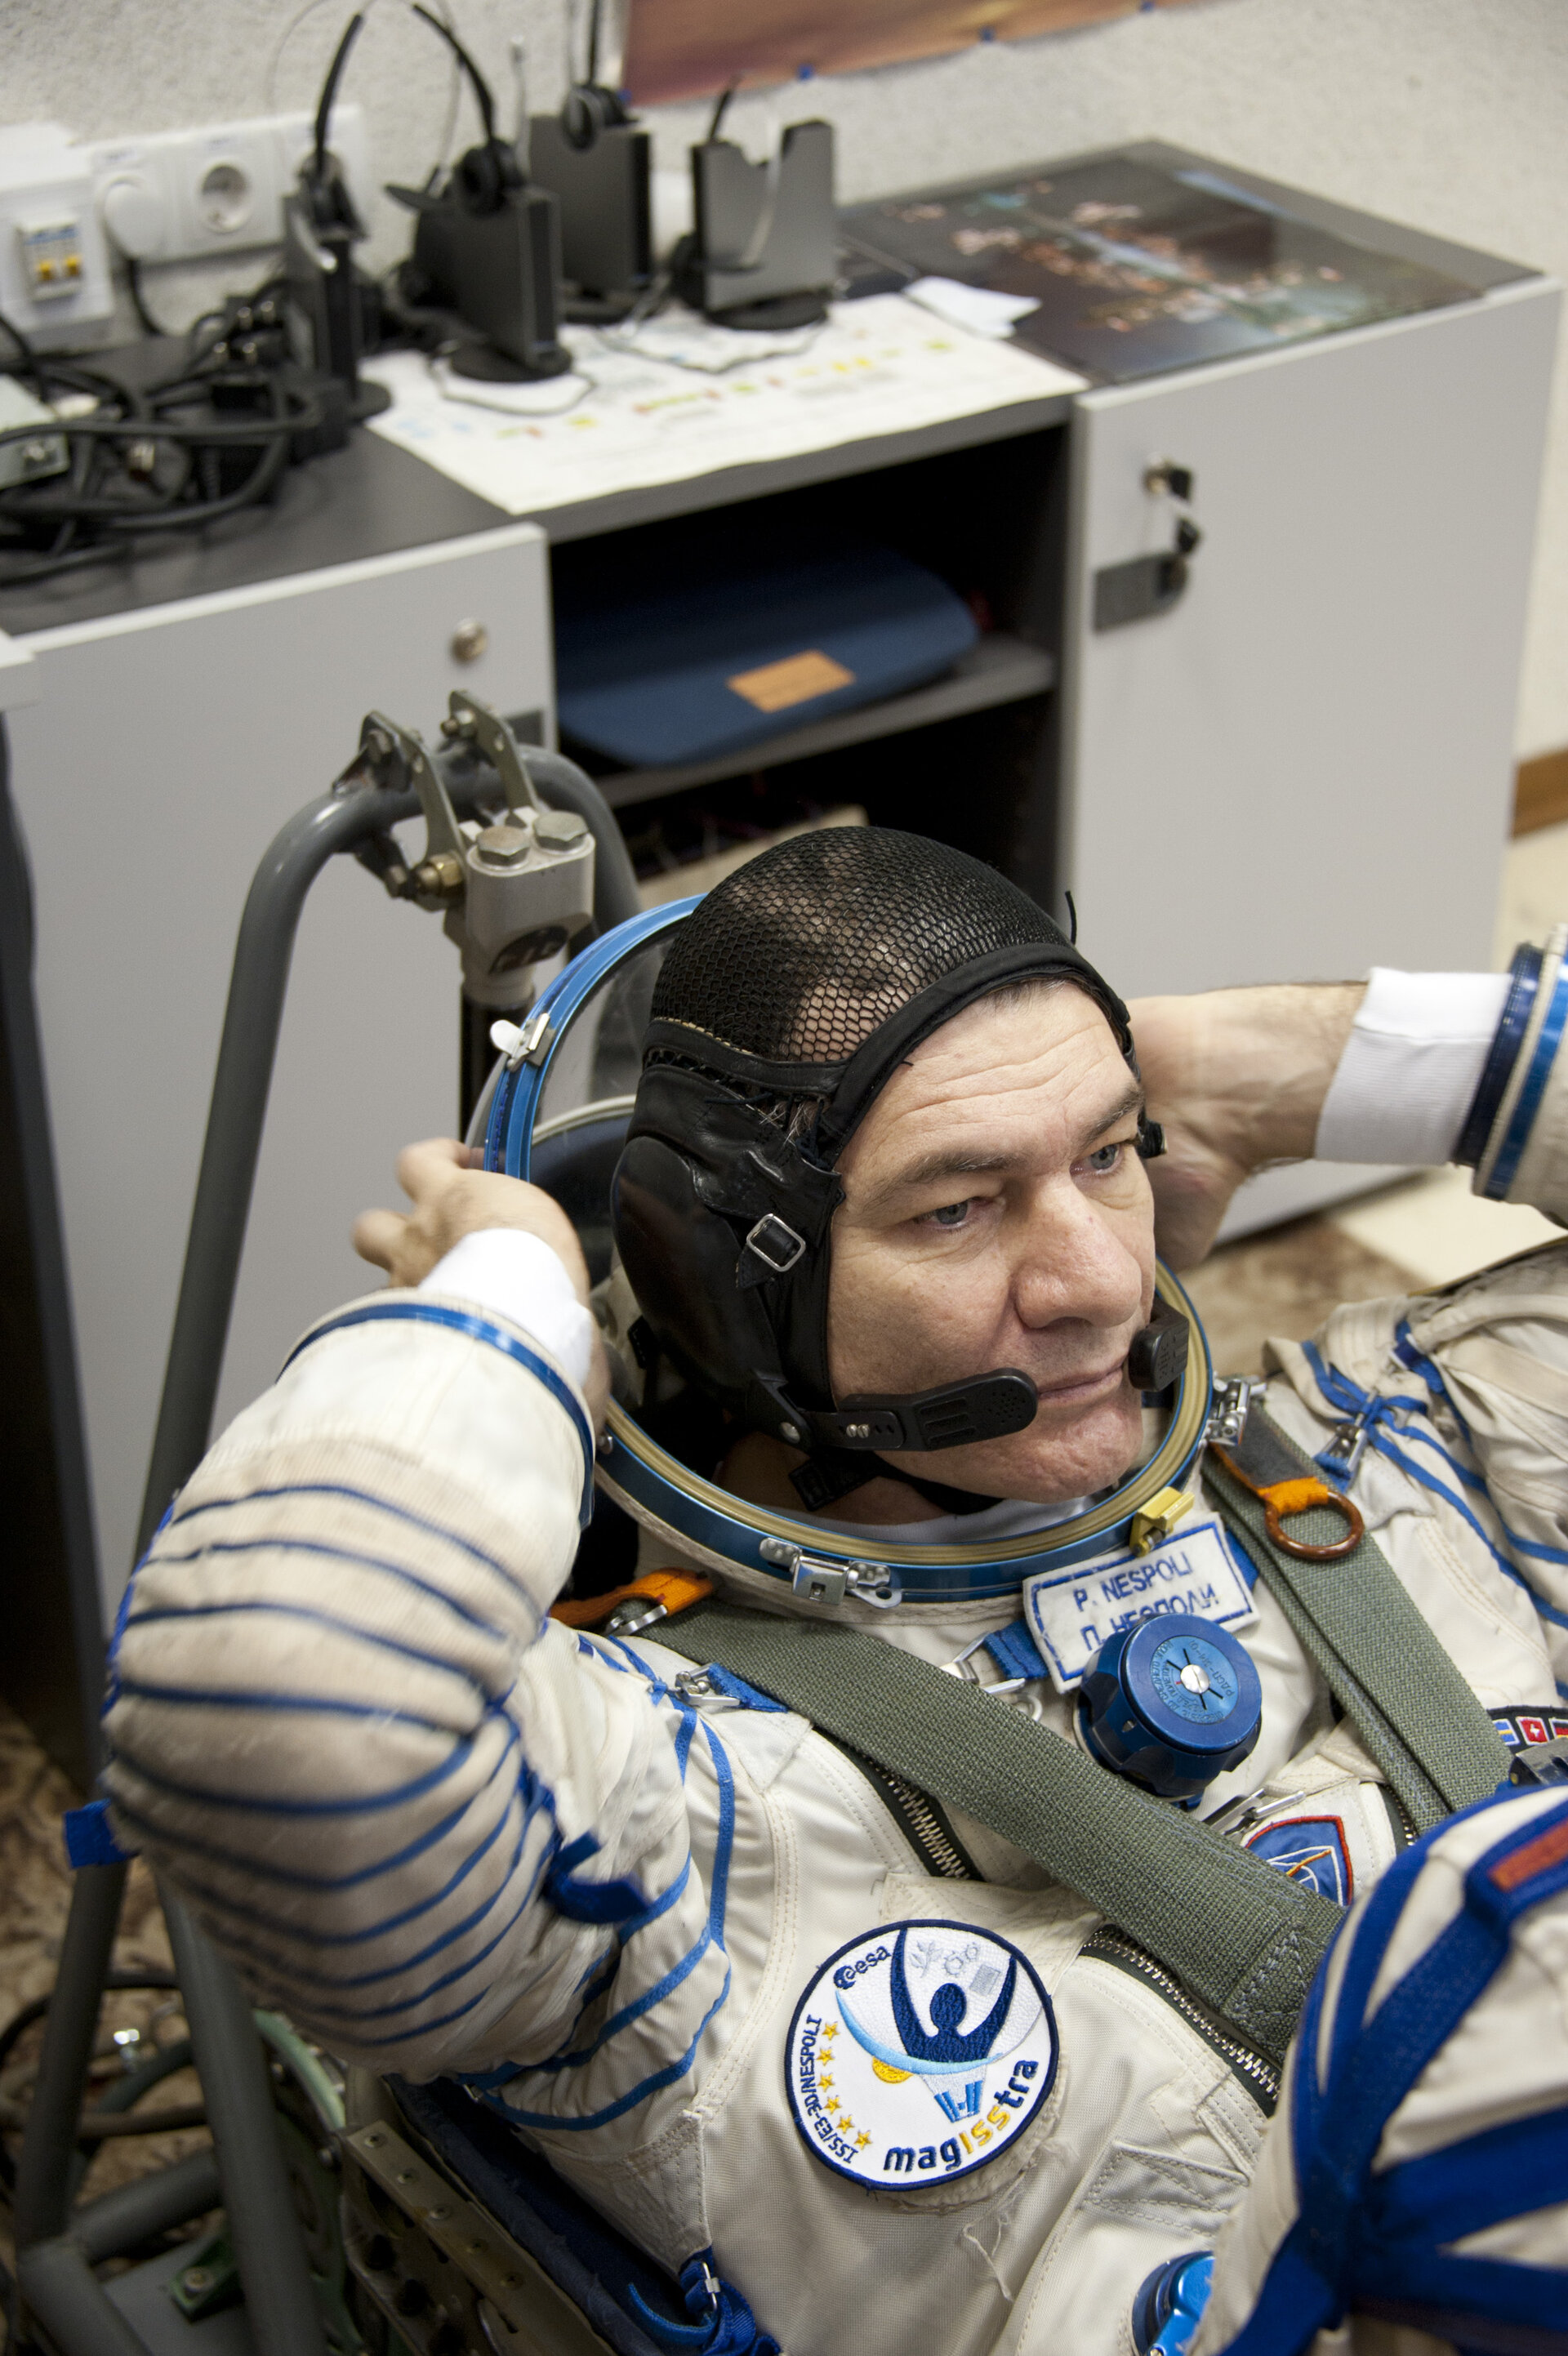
[(1347, 1442), (959, 1667), (1157, 1517), (817, 1580), (1228, 1410), (525, 1043)]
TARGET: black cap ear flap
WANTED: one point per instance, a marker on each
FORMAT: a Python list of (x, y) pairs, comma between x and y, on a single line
[(682, 1261)]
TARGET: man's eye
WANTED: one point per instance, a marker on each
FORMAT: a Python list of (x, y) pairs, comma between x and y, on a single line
[(952, 1214), (1105, 1159)]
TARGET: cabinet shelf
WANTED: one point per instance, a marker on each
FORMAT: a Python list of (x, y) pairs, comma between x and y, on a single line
[(999, 668)]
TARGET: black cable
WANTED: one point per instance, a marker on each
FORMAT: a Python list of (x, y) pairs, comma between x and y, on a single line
[(20, 2022), (481, 87), (138, 300), (720, 110), (119, 482), (330, 90), (25, 352)]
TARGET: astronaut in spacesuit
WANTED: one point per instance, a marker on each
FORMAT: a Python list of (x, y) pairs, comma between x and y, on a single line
[(893, 1352)]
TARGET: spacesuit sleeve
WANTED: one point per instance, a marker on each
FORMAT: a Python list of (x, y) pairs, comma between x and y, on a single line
[(1461, 1067), (410, 1807), (1417, 2167)]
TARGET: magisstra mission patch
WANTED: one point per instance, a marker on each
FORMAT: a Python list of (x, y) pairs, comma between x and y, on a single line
[(918, 2053)]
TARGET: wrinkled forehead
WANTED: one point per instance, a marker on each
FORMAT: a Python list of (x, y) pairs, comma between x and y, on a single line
[(1035, 1056)]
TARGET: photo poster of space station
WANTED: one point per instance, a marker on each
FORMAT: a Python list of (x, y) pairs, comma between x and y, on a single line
[(692, 49), (1136, 266)]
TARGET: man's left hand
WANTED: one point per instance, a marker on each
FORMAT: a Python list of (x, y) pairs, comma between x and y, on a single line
[(453, 1197)]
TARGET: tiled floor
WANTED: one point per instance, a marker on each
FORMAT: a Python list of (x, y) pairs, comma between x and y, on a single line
[(1424, 1231)]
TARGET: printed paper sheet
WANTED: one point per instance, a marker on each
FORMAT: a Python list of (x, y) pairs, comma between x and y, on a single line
[(683, 399)]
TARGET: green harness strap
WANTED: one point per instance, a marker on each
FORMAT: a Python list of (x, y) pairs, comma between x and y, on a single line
[(1239, 1934), (1416, 1716)]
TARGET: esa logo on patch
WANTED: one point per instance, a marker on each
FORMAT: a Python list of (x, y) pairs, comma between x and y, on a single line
[(919, 2052)]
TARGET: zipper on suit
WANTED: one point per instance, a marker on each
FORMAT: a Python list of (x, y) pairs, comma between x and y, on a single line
[(1259, 2075), (919, 1818), (926, 1828)]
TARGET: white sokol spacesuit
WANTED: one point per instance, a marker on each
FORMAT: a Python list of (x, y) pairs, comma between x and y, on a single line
[(760, 2003)]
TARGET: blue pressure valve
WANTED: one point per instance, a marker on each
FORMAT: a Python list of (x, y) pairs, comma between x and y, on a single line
[(1172, 1703), (1170, 2303)]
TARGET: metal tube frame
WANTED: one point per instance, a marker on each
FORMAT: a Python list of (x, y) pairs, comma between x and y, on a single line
[(57, 2250)]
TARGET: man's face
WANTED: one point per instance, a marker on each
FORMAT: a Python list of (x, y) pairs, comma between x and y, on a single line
[(996, 1214)]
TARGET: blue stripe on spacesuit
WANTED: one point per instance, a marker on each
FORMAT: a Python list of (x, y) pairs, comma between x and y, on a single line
[(710, 1937), (1409, 1354), (318, 1617), (350, 1555), (236, 1910), (449, 1980), (657, 1906), (1502, 2172), (640, 2006), (313, 1705), (355, 1496), (533, 1793), (672, 2073), (1340, 1390), (1360, 2231), (479, 1328), (293, 1971), (415, 1789)]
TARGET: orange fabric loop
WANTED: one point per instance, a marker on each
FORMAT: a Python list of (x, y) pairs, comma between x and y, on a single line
[(674, 1588), (1296, 1496)]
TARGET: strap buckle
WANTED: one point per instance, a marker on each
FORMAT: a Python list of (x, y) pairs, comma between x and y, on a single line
[(775, 1242)]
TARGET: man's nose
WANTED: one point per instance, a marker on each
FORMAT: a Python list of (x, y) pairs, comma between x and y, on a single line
[(1073, 1262)]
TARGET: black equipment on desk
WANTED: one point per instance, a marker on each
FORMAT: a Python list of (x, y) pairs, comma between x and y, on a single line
[(764, 252), (325, 297), (597, 159), (487, 252)]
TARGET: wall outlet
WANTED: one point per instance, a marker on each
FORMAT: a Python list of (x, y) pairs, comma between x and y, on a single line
[(55, 283), (179, 196)]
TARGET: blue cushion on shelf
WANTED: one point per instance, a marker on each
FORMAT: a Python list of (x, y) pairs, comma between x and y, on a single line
[(654, 673)]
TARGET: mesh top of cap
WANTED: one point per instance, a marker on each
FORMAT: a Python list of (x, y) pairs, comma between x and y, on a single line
[(806, 950)]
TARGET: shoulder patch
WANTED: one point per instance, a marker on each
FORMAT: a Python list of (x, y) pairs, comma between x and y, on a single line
[(1311, 1850), (919, 2052)]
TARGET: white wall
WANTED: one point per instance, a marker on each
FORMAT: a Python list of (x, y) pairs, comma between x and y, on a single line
[(1448, 113)]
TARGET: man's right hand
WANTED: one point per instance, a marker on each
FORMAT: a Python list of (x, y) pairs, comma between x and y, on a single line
[(452, 1198)]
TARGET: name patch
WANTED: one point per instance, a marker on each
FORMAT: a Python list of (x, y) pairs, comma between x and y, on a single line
[(1071, 1613), (918, 2053)]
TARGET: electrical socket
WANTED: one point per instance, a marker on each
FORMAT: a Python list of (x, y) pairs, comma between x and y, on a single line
[(182, 196), (55, 282)]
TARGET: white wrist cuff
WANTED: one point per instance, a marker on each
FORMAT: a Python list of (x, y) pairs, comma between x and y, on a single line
[(1411, 1066), (518, 1276)]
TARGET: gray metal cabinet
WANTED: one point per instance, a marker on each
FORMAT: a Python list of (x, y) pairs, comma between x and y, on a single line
[(163, 750), (1303, 765)]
